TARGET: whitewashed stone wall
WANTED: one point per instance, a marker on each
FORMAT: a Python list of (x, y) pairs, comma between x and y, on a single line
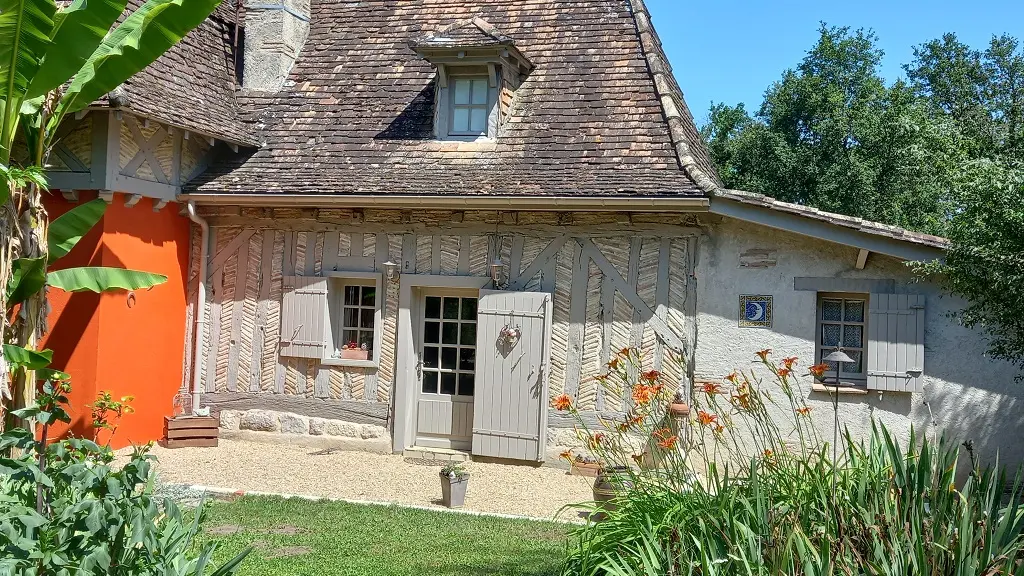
[(966, 395)]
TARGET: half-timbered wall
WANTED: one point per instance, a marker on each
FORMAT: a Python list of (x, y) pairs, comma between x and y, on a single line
[(617, 281)]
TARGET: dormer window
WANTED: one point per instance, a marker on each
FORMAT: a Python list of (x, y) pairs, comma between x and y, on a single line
[(471, 102), (478, 71)]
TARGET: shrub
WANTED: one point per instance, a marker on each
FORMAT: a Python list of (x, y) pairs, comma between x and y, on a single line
[(745, 494), (65, 509)]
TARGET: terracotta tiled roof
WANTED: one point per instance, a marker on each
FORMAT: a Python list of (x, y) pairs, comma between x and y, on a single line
[(192, 86), (599, 115), (860, 224)]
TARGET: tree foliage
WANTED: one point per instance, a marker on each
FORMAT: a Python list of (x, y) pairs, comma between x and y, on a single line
[(940, 151)]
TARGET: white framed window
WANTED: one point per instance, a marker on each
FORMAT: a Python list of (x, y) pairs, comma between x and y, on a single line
[(842, 322), (449, 345), (470, 105), (467, 104), (354, 309)]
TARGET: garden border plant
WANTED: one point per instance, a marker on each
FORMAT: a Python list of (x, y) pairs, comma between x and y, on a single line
[(66, 509), (749, 486)]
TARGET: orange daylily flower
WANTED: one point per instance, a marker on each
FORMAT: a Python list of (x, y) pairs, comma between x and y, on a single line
[(763, 354), (783, 372), (741, 400), (651, 375), (711, 388), (732, 377), (719, 429), (768, 453), (803, 411), (613, 364), (567, 455), (596, 440), (644, 393), (706, 419), (669, 442), (562, 403), (789, 362), (625, 351), (818, 370), (624, 426)]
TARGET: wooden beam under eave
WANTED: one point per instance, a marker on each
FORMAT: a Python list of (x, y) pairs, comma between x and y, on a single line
[(862, 258)]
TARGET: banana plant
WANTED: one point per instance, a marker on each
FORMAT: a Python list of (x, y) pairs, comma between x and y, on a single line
[(31, 275), (55, 61)]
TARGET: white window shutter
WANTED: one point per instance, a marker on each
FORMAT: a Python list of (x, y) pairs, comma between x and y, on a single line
[(304, 317), (895, 354)]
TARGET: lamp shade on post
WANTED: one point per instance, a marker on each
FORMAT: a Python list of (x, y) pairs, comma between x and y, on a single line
[(838, 357)]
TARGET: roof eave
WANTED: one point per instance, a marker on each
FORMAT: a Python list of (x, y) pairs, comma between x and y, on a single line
[(854, 232), (445, 202)]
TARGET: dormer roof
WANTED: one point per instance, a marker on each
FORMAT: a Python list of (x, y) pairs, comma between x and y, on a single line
[(469, 38)]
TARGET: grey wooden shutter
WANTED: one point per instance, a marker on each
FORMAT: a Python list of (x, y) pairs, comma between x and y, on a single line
[(895, 353), (304, 317), (511, 385)]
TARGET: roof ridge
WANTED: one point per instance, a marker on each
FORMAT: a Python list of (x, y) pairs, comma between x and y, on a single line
[(672, 103), (478, 21)]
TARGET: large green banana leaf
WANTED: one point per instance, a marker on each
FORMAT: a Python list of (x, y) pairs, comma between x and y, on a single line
[(142, 38), (25, 27), (66, 230), (31, 359), (101, 279), (77, 32), (27, 277)]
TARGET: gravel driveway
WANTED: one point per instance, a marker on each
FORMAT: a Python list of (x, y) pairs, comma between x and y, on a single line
[(285, 468)]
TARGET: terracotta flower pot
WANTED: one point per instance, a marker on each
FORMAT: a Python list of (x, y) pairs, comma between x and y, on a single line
[(589, 469), (355, 354), (679, 409), (453, 490), (610, 483)]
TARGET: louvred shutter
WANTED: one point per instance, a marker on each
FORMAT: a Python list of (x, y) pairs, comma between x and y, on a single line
[(895, 342), (304, 317)]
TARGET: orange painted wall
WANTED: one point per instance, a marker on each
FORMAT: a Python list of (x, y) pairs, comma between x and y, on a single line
[(107, 342)]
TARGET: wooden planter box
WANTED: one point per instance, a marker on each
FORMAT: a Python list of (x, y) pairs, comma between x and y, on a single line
[(191, 432), (354, 354)]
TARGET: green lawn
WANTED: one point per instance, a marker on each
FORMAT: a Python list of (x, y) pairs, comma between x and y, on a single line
[(299, 537)]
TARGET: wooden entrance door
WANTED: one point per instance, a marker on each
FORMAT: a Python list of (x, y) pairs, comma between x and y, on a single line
[(446, 369)]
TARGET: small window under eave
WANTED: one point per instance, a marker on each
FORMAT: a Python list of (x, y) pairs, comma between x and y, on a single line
[(478, 71)]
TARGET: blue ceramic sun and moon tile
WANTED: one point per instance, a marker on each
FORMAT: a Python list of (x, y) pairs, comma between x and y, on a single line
[(756, 311)]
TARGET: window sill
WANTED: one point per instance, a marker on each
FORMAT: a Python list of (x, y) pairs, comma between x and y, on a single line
[(854, 389), (349, 363)]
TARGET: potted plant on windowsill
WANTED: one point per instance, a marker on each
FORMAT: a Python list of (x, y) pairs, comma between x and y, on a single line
[(353, 351), (454, 480)]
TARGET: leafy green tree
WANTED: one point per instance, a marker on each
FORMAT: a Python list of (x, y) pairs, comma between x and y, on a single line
[(55, 61), (981, 91), (985, 263), (833, 135)]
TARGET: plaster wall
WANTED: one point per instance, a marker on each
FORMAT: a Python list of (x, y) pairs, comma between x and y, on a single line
[(966, 395)]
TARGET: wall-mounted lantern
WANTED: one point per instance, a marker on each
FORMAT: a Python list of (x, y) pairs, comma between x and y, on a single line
[(496, 271), (391, 270)]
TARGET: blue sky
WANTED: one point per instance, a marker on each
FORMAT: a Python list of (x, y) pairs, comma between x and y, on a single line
[(731, 51)]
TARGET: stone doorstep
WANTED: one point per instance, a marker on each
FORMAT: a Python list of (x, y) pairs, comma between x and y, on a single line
[(438, 454)]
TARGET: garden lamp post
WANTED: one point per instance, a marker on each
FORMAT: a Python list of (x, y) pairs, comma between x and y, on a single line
[(838, 357)]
